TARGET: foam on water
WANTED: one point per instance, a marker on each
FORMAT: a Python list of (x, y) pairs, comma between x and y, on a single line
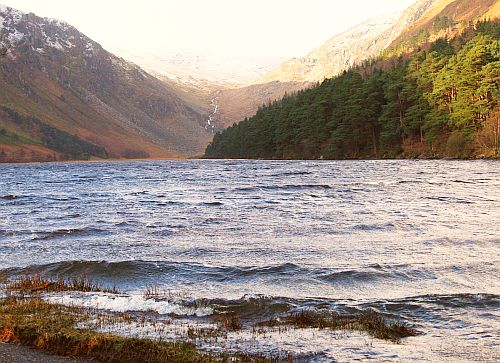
[(125, 303)]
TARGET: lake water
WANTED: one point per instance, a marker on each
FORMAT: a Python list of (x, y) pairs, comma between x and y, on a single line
[(415, 240)]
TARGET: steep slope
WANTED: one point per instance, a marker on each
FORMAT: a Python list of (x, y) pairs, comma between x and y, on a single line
[(233, 105), (349, 48), (339, 53), (60, 89), (446, 18)]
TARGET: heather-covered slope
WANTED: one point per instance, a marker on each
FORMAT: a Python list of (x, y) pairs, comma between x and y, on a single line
[(446, 18), (63, 96)]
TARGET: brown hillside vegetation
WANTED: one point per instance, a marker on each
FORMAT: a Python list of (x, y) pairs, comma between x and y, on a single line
[(446, 18), (236, 104), (60, 89)]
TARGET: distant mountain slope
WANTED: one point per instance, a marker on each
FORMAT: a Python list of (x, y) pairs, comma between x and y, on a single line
[(349, 48), (60, 88), (234, 105), (203, 72), (337, 54)]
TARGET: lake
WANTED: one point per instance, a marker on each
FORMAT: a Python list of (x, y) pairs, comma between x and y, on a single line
[(418, 241)]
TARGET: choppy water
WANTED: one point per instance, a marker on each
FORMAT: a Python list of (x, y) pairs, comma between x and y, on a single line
[(415, 240)]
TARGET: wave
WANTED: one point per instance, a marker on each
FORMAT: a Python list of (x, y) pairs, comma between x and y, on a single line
[(168, 203), (213, 204), (9, 197), (449, 199), (439, 309), (478, 300), (262, 307), (291, 187), (374, 227), (139, 272), (128, 303), (65, 232), (291, 173)]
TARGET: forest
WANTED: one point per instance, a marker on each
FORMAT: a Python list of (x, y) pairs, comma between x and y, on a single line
[(441, 100), (70, 147)]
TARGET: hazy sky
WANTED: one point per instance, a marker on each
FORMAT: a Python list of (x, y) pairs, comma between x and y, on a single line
[(280, 28)]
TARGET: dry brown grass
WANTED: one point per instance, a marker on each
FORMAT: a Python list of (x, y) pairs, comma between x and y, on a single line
[(52, 328), (27, 319), (371, 323), (31, 284), (229, 322), (77, 332)]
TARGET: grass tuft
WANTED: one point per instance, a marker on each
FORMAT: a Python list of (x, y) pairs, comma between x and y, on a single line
[(229, 322), (31, 284), (372, 323)]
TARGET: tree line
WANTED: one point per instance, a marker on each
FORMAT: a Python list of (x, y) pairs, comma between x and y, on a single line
[(70, 146)]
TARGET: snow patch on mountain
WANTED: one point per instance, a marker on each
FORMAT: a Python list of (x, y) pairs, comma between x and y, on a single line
[(349, 48), (14, 37), (202, 71), (14, 27)]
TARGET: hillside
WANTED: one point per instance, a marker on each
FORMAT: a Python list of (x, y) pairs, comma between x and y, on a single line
[(64, 97), (203, 72), (436, 102), (349, 48), (339, 53), (237, 103), (446, 18)]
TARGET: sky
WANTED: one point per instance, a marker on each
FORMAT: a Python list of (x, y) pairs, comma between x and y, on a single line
[(250, 28)]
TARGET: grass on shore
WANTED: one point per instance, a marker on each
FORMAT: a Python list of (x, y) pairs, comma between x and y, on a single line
[(32, 284), (51, 328), (372, 323), (27, 319)]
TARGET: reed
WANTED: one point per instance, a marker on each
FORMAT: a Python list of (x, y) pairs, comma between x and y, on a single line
[(370, 322), (30, 284)]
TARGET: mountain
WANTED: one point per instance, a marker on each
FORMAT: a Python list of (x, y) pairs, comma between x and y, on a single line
[(63, 96), (339, 53), (234, 104), (216, 80)]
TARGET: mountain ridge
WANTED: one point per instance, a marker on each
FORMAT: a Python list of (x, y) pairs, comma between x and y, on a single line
[(437, 98), (349, 48)]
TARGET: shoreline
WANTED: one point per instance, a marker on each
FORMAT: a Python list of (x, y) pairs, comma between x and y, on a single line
[(29, 317), (495, 158), (18, 353)]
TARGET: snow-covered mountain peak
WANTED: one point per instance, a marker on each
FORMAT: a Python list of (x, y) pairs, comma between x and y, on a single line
[(18, 28)]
